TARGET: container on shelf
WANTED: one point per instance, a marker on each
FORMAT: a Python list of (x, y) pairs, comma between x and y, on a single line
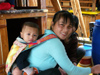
[(86, 60)]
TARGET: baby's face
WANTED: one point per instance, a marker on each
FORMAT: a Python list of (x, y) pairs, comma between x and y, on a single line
[(29, 34)]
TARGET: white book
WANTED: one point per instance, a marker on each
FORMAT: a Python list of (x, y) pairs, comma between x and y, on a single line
[(2, 0)]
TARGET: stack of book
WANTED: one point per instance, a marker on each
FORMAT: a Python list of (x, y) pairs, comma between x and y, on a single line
[(26, 3)]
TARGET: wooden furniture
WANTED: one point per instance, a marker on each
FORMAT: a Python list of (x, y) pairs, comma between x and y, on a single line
[(10, 24), (85, 4), (77, 11), (66, 5), (56, 5), (3, 46)]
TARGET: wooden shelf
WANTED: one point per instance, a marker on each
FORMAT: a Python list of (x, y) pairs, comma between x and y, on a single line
[(85, 4), (65, 1), (86, 7), (66, 6), (79, 1), (22, 15), (86, 1)]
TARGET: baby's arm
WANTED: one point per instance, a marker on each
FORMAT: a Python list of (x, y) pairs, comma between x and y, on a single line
[(21, 61)]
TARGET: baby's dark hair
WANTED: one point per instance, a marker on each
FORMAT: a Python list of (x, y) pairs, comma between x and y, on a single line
[(31, 24)]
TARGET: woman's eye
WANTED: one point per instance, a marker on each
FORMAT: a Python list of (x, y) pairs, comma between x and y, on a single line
[(69, 26), (62, 24)]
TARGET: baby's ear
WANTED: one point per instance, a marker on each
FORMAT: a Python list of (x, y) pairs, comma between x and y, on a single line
[(21, 34)]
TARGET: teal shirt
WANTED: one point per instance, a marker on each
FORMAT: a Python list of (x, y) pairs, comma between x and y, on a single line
[(51, 52)]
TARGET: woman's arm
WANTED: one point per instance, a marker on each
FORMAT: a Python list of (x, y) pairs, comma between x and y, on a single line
[(57, 51)]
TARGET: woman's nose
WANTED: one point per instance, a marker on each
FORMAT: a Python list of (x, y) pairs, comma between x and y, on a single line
[(65, 30)]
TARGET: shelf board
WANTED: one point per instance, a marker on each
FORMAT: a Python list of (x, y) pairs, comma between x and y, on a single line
[(65, 1), (86, 1), (86, 7), (70, 7), (79, 1), (66, 6)]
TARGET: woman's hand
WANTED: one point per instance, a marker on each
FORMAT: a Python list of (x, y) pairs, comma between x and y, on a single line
[(62, 71), (95, 69), (74, 63)]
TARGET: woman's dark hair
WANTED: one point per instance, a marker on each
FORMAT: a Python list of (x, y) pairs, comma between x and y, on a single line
[(31, 24), (62, 14), (76, 21)]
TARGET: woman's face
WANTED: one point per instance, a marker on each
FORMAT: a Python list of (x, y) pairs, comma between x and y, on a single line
[(62, 30)]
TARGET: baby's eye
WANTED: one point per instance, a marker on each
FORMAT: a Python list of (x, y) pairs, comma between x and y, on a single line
[(34, 35), (28, 34)]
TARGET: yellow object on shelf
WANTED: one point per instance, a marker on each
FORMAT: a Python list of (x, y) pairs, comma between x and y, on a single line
[(84, 40), (88, 12)]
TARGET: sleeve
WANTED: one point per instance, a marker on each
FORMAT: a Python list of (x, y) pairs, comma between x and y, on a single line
[(21, 61), (57, 51), (73, 50)]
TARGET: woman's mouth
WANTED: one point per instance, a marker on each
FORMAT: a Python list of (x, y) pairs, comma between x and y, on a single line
[(63, 34)]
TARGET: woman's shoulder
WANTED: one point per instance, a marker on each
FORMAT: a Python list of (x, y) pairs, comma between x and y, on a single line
[(48, 32), (55, 42), (52, 41)]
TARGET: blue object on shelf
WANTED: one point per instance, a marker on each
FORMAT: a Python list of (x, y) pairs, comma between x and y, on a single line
[(96, 43), (88, 49)]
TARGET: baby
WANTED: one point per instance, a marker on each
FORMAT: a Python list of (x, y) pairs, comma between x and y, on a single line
[(28, 34)]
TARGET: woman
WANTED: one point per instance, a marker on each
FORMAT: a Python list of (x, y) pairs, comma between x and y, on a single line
[(52, 52), (74, 53), (71, 46)]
